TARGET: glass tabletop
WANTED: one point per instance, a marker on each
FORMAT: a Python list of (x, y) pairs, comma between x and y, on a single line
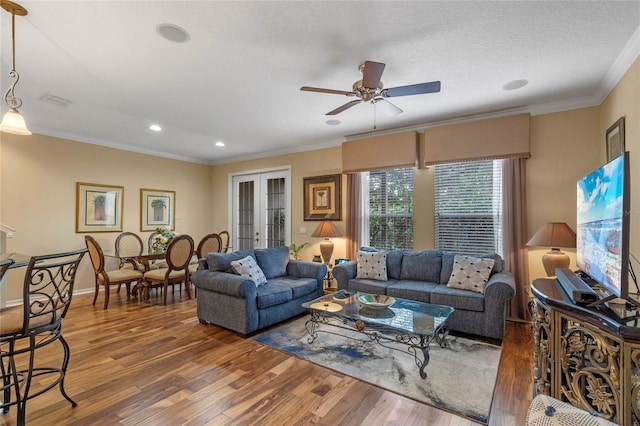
[(408, 316)]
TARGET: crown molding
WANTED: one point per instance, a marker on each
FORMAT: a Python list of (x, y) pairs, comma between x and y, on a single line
[(625, 59)]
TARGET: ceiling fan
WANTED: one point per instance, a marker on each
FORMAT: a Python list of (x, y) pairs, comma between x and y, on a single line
[(371, 89)]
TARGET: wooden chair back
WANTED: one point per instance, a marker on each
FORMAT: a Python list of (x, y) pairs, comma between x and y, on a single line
[(224, 236), (211, 243), (179, 252)]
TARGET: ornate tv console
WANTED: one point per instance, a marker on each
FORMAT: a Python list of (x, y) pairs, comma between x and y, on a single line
[(586, 356)]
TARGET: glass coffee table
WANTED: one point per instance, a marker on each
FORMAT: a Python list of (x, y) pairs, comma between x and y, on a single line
[(413, 325)]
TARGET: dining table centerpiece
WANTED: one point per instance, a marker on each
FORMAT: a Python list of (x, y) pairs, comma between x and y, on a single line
[(162, 239)]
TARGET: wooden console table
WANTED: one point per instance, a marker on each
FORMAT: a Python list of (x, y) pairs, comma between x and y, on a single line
[(586, 356)]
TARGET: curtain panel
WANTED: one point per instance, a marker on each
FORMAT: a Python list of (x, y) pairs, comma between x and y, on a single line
[(496, 138), (514, 235)]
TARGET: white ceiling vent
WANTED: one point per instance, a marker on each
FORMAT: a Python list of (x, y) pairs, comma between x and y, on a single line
[(55, 100)]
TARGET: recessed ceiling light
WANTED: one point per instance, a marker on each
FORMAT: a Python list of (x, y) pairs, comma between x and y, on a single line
[(155, 128), (220, 143), (173, 33), (515, 84), (333, 122)]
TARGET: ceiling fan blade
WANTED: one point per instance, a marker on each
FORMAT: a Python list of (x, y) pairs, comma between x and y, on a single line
[(343, 107), (335, 92), (413, 89), (372, 74), (389, 108)]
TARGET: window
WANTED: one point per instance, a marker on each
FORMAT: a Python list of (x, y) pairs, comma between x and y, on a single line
[(468, 207), (388, 221)]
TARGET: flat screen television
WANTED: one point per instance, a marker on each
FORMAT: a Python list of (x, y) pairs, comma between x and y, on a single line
[(602, 235)]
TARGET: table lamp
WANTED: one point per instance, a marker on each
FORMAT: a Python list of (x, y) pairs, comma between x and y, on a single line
[(326, 230), (554, 235)]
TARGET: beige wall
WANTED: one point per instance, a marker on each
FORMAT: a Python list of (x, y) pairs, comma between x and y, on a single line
[(38, 185), (305, 164), (624, 100)]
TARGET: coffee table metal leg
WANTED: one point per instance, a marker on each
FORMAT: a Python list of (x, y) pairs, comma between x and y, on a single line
[(425, 354)]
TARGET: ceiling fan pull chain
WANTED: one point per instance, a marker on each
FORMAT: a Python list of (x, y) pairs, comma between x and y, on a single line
[(374, 114)]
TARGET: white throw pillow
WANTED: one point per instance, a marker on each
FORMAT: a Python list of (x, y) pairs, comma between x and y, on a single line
[(470, 273), (372, 265), (248, 268)]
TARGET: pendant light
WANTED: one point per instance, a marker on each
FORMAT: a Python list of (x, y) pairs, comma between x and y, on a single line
[(12, 122)]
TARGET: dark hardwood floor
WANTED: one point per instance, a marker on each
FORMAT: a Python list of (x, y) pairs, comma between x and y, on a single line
[(143, 363)]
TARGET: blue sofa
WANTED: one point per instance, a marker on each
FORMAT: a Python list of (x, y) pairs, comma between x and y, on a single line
[(232, 301), (423, 276)]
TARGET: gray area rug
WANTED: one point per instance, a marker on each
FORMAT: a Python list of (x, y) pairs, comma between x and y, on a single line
[(460, 377)]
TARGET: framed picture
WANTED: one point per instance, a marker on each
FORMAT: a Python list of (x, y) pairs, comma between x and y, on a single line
[(157, 209), (98, 207), (615, 139), (322, 198)]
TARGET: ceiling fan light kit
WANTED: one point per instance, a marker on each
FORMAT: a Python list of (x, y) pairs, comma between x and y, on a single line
[(371, 89), (12, 121)]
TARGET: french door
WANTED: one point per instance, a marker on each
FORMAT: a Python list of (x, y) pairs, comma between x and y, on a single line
[(260, 209)]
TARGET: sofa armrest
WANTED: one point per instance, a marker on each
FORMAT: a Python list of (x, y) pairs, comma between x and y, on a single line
[(300, 269), (501, 287), (344, 272), (225, 283)]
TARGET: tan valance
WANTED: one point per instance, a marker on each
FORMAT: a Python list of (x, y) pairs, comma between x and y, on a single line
[(504, 137), (380, 152)]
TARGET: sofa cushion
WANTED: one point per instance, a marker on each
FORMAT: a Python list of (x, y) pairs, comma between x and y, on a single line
[(447, 264), (272, 294), (394, 263), (368, 286), (464, 300), (299, 286), (372, 265), (248, 268), (421, 266), (412, 290), (222, 261), (273, 261), (470, 273)]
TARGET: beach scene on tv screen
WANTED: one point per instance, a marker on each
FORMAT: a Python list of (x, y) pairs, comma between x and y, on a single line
[(599, 223)]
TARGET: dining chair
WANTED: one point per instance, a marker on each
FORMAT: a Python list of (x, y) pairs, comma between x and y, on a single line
[(108, 278), (25, 329), (154, 264), (128, 244), (210, 243), (224, 236), (178, 255)]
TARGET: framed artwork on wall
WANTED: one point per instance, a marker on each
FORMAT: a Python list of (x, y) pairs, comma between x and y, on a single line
[(98, 207), (615, 139), (322, 197), (157, 209)]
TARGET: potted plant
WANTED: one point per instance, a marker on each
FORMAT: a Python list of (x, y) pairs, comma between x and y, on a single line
[(295, 250)]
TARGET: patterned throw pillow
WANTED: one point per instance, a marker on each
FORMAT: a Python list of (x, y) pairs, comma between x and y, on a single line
[(470, 273), (372, 265), (248, 268)]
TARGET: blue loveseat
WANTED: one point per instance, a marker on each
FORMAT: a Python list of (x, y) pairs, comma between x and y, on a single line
[(423, 276), (232, 301)]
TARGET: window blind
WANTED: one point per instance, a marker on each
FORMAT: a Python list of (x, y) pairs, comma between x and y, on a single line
[(468, 207), (390, 214)]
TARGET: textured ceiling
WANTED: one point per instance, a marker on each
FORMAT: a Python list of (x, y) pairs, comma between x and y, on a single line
[(238, 77)]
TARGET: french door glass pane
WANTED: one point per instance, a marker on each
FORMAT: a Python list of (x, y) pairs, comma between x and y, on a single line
[(246, 225), (275, 212)]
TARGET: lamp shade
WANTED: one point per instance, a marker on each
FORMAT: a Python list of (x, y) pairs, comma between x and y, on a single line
[(12, 122), (326, 229), (555, 235)]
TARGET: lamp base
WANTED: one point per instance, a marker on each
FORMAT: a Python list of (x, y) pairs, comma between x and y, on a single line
[(326, 249), (555, 259)]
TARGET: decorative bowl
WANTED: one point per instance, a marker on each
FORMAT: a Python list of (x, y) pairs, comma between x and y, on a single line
[(376, 301)]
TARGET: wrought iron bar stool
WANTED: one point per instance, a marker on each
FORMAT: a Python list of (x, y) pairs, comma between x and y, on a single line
[(47, 292)]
